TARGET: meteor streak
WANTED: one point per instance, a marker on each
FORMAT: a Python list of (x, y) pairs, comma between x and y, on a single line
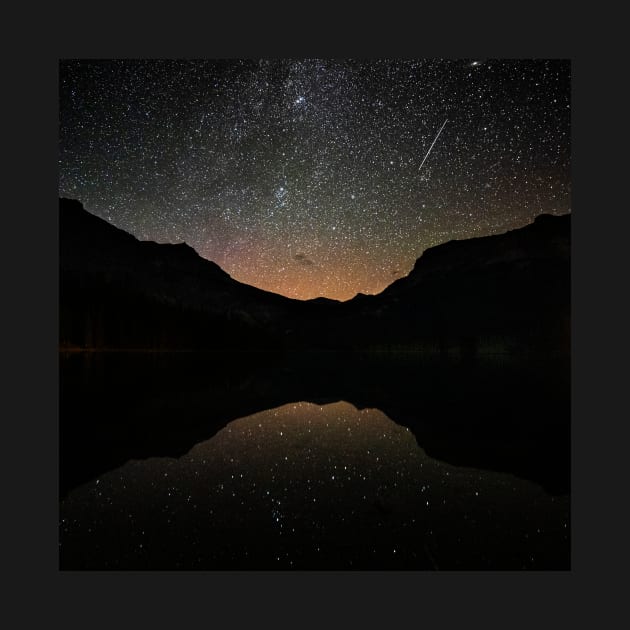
[(434, 141)]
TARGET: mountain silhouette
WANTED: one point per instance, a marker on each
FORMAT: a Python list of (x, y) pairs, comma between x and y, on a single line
[(505, 293), (119, 292)]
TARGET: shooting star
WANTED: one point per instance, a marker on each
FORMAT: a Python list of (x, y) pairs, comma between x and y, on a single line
[(429, 151)]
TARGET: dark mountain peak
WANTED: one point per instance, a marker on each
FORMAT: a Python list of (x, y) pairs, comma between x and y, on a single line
[(361, 297), (70, 205), (322, 300), (76, 224), (535, 240), (552, 219), (88, 239), (178, 254)]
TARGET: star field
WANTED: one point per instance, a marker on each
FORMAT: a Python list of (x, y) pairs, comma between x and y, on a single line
[(303, 177)]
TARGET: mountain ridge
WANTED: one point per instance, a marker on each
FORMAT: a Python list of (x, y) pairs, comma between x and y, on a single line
[(507, 290), (429, 254), (184, 250)]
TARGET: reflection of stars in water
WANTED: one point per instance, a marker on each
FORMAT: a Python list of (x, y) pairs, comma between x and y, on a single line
[(298, 478)]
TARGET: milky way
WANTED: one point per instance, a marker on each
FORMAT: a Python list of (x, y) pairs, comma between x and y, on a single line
[(302, 176)]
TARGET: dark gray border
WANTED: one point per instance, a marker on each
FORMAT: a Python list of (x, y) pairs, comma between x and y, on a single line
[(228, 599)]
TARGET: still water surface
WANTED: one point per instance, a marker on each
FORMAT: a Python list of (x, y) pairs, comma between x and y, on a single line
[(302, 485)]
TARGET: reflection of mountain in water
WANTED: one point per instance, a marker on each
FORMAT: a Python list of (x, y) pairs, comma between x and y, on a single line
[(491, 414), (311, 486)]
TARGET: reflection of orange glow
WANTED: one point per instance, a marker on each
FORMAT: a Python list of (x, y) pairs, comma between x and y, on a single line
[(304, 434)]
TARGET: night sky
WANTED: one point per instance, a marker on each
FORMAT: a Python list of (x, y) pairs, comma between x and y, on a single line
[(303, 177)]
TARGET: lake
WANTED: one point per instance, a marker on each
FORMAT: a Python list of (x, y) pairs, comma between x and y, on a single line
[(185, 461)]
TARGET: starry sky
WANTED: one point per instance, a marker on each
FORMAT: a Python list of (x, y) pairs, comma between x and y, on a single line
[(315, 177)]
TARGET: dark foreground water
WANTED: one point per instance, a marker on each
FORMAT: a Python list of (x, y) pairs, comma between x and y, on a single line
[(209, 462)]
